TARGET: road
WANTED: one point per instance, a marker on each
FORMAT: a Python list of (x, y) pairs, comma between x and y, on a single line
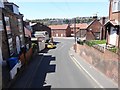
[(54, 68), (67, 75)]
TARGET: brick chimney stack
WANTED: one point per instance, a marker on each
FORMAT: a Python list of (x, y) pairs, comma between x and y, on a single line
[(103, 20), (95, 17)]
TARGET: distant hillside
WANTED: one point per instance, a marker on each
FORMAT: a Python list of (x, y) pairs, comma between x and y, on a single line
[(55, 21)]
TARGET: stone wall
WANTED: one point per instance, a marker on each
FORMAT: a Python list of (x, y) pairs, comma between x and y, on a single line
[(106, 62)]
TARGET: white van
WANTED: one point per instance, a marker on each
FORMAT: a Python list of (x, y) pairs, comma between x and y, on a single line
[(42, 34)]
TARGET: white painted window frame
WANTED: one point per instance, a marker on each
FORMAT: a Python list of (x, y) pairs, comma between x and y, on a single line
[(116, 6)]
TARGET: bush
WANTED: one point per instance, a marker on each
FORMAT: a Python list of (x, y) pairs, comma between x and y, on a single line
[(95, 42), (99, 41), (80, 42), (90, 43), (113, 50)]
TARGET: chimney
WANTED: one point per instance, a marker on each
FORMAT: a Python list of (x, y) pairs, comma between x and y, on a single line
[(95, 17), (103, 20)]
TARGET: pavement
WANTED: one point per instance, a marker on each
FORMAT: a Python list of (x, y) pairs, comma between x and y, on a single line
[(61, 68)]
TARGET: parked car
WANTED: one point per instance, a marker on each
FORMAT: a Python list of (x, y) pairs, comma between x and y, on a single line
[(51, 46)]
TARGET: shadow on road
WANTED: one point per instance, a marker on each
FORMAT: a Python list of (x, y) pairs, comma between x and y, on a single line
[(44, 51), (55, 42), (35, 74), (41, 72)]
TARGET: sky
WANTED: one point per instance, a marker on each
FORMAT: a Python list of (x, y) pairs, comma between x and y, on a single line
[(62, 9)]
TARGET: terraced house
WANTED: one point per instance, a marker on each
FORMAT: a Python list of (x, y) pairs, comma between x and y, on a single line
[(60, 30), (113, 25), (12, 33)]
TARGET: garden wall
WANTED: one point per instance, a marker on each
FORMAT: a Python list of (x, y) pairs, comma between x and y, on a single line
[(106, 62)]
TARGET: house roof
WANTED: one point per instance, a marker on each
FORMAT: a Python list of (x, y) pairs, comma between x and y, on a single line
[(90, 23), (113, 22), (58, 27), (83, 26), (10, 3), (80, 25)]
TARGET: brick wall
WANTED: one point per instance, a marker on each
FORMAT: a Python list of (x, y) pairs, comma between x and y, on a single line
[(5, 50), (113, 15), (15, 32), (106, 62), (59, 33)]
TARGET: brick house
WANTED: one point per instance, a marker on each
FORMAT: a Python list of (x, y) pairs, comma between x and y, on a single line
[(41, 27), (94, 30), (60, 30), (112, 26), (80, 28), (13, 32)]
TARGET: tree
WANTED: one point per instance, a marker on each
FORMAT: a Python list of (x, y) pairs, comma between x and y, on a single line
[(66, 21)]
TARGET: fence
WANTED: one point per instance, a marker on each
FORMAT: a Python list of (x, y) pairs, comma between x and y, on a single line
[(100, 47)]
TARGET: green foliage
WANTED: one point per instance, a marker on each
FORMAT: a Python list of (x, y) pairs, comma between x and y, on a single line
[(99, 41), (114, 49), (51, 21), (95, 42), (80, 42), (89, 43), (34, 45), (66, 21)]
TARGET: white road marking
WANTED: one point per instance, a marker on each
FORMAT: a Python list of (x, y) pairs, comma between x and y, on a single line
[(61, 47), (81, 67), (92, 67)]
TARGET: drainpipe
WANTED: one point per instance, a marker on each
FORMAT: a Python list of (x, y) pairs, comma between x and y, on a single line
[(24, 51), (119, 40)]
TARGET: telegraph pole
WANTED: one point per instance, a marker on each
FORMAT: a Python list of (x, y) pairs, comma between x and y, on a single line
[(75, 47)]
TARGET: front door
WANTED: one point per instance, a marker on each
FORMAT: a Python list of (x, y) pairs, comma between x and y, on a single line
[(113, 36)]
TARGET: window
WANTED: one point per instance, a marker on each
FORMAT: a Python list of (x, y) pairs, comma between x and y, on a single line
[(20, 25), (1, 25), (10, 41), (1, 4), (119, 5), (116, 6), (97, 35), (7, 22), (21, 40)]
